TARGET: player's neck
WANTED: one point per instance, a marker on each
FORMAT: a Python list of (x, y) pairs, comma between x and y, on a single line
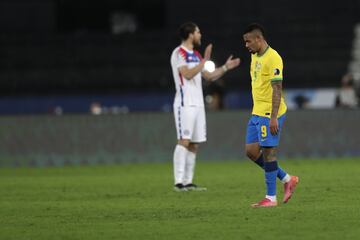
[(188, 45), (263, 49)]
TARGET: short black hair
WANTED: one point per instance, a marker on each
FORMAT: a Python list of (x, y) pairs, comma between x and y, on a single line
[(255, 27), (185, 29)]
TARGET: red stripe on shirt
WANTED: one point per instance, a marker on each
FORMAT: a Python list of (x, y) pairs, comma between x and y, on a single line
[(182, 53)]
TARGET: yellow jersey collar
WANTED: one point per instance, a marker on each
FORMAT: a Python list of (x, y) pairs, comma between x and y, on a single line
[(267, 48)]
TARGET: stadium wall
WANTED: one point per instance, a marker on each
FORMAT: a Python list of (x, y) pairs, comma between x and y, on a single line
[(46, 140)]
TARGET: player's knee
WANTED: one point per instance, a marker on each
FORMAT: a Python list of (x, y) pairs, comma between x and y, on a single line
[(270, 154), (193, 147), (248, 153), (251, 153)]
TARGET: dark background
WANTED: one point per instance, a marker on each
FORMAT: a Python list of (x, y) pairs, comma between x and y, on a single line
[(64, 46)]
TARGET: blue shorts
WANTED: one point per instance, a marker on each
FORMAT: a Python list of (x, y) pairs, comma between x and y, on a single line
[(258, 130)]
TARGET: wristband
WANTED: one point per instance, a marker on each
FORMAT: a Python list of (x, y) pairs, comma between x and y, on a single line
[(224, 68)]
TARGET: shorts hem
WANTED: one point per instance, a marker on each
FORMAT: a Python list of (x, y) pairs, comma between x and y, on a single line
[(268, 146), (198, 141)]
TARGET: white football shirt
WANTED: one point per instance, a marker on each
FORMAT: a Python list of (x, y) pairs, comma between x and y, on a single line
[(189, 92)]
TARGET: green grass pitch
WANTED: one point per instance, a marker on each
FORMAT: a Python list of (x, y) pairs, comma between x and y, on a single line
[(136, 201)]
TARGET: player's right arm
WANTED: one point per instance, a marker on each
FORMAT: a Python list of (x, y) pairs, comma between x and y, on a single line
[(189, 73)]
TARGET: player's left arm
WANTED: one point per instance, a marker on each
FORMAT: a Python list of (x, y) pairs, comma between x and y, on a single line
[(276, 100), (276, 76), (231, 63)]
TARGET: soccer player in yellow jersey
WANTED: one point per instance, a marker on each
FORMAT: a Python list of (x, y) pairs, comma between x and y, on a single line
[(268, 115)]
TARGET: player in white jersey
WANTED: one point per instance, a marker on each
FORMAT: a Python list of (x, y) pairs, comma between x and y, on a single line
[(189, 110)]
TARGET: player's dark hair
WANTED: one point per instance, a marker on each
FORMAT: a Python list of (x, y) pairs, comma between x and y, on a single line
[(255, 27), (185, 29)]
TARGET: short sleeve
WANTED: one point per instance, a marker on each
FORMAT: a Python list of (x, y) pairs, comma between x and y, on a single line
[(180, 58), (276, 68)]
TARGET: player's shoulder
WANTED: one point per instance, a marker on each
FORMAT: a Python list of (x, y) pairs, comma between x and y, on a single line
[(179, 51), (176, 50), (274, 54)]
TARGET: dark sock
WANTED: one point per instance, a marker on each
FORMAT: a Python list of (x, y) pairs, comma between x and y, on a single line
[(260, 162)]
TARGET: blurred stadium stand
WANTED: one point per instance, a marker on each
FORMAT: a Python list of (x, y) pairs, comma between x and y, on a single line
[(64, 47), (47, 140)]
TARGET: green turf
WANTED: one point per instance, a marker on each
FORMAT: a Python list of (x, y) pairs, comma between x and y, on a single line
[(137, 202)]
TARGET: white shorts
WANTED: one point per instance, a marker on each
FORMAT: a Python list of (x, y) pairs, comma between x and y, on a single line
[(190, 123)]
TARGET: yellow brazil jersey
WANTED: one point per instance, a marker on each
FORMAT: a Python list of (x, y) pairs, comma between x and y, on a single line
[(265, 69)]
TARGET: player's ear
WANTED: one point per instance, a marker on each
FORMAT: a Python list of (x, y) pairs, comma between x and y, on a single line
[(191, 35)]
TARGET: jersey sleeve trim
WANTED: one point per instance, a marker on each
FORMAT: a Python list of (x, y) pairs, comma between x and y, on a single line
[(276, 79)]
